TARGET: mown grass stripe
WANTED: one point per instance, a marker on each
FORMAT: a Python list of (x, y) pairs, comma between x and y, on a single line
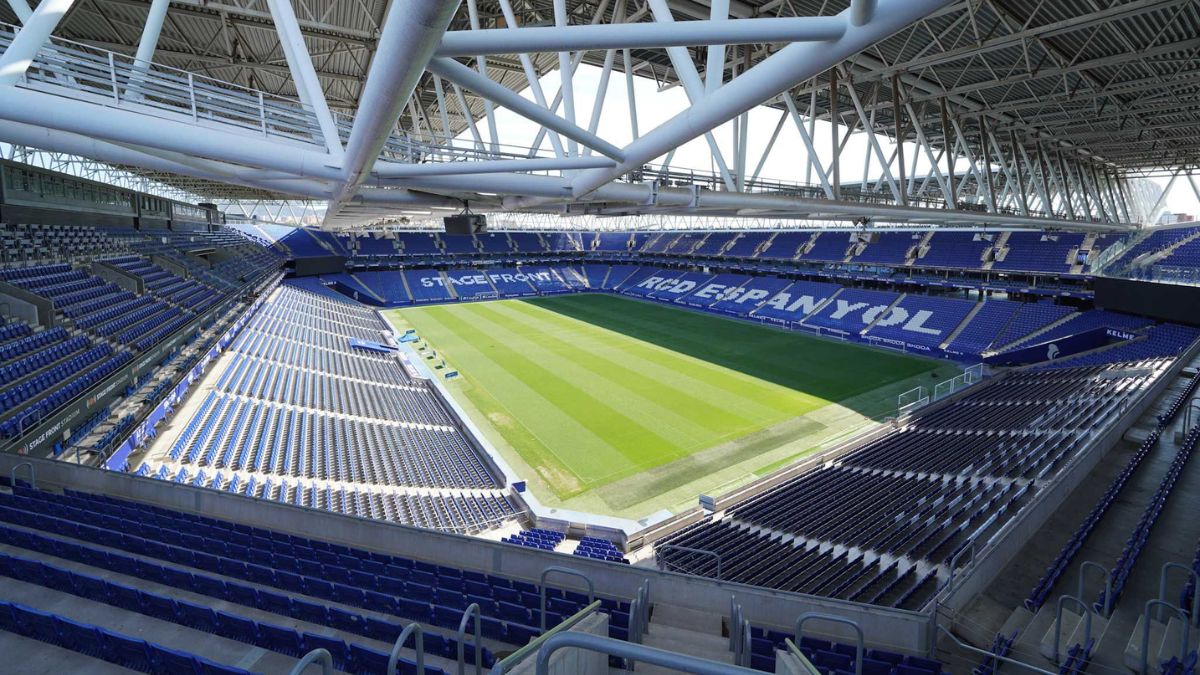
[(688, 399), (621, 433)]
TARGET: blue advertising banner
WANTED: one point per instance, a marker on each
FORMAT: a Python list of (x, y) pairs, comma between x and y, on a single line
[(1051, 350)]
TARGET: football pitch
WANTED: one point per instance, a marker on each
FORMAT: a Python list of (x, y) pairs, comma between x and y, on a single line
[(618, 406)]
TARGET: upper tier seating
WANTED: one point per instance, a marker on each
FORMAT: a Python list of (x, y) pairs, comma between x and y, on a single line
[(614, 242), (494, 242), (527, 242), (418, 243), (303, 243), (747, 244), (890, 248), (785, 246), (828, 247), (659, 243), (459, 244), (714, 243), (686, 244), (962, 250), (1033, 251)]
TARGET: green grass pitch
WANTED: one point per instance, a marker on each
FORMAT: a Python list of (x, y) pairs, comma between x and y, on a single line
[(633, 399)]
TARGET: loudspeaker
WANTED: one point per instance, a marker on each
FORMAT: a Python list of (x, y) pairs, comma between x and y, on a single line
[(466, 223)]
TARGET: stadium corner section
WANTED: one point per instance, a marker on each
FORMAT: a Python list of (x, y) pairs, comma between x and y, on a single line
[(742, 364)]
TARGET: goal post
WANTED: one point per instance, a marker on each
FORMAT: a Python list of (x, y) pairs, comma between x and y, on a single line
[(911, 400)]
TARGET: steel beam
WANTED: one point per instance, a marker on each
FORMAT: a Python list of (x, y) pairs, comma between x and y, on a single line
[(640, 35), (38, 28), (304, 75), (21, 9), (396, 170), (410, 35), (464, 76), (784, 69)]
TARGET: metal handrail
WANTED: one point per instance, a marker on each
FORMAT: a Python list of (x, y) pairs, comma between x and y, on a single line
[(319, 655), (993, 655), (534, 644), (1106, 609), (804, 662), (472, 610), (394, 658), (561, 570), (109, 78), (1195, 578), (1087, 627), (689, 549), (622, 649), (32, 474), (1183, 636), (858, 659), (954, 565)]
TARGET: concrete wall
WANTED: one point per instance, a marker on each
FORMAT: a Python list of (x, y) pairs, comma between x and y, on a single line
[(886, 628), (31, 308), (126, 280), (171, 266)]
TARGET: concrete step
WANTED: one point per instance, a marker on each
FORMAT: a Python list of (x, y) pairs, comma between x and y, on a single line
[(1133, 648), (34, 657), (685, 631), (1172, 637), (1074, 631)]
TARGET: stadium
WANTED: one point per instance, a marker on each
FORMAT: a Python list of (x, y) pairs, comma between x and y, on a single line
[(853, 337)]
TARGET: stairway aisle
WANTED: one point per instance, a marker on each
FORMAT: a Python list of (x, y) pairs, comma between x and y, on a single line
[(685, 631)]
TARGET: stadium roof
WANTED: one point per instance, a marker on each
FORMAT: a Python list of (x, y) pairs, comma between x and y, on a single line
[(1067, 99)]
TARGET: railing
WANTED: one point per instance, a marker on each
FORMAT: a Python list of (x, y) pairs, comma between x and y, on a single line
[(795, 652), (1193, 578), (1004, 659), (569, 572), (830, 618), (461, 636), (64, 67), (318, 656), (1183, 634), (413, 628), (911, 400), (1058, 612), (970, 376), (521, 654), (686, 549), (32, 474)]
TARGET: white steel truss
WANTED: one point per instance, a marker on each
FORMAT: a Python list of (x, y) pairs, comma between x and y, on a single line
[(974, 112)]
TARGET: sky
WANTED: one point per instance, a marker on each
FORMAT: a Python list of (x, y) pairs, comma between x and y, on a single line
[(785, 163)]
